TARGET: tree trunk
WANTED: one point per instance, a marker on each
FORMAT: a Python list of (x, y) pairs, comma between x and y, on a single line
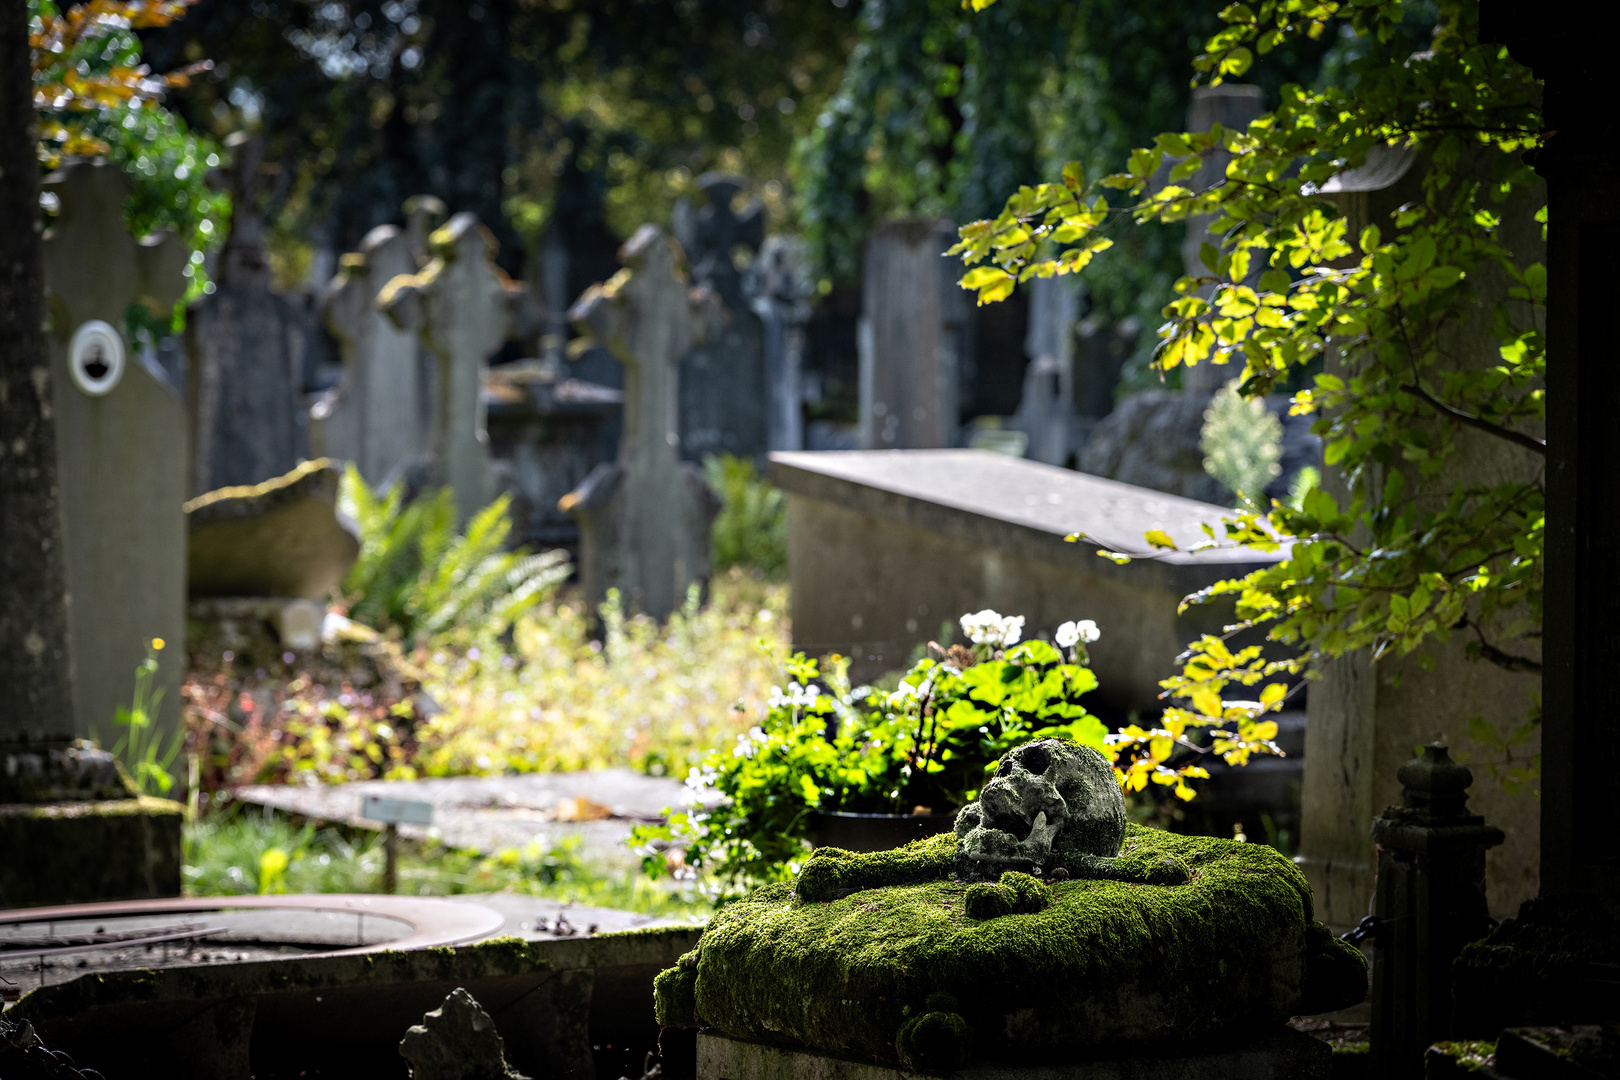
[(34, 659)]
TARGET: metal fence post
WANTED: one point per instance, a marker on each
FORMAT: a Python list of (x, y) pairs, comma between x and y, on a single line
[(1430, 902)]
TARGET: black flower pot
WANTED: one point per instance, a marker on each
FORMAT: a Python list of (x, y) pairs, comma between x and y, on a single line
[(875, 832)]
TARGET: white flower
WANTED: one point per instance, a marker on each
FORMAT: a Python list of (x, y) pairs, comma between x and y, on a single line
[(992, 628), (1083, 632)]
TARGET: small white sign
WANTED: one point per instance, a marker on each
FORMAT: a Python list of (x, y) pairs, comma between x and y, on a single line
[(396, 811), (96, 357)]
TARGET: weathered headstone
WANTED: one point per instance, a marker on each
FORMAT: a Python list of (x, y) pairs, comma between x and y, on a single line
[(246, 345), (779, 282), (461, 304), (121, 442), (644, 520), (910, 338), (379, 416), (282, 538), (723, 387), (1233, 106), (1046, 410)]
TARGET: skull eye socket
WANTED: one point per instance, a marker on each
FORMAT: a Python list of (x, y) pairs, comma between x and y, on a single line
[(1036, 759)]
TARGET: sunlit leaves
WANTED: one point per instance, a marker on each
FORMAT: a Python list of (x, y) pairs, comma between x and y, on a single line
[(1411, 554)]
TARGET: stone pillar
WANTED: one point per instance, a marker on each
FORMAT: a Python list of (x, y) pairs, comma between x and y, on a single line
[(379, 416), (246, 345), (644, 520), (461, 305), (723, 385), (1233, 106), (121, 444), (1365, 717), (70, 828), (1580, 818), (1046, 409), (779, 281), (910, 337), (1430, 903)]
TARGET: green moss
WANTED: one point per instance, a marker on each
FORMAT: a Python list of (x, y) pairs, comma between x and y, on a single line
[(1335, 972), (1534, 969), (935, 1042), (833, 872), (1016, 893), (1107, 962)]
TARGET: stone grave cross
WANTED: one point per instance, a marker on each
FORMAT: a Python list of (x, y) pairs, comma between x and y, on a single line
[(378, 416), (462, 305), (779, 281), (644, 519), (121, 448), (718, 231)]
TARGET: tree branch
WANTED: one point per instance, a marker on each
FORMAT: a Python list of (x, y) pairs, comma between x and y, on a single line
[(1534, 445)]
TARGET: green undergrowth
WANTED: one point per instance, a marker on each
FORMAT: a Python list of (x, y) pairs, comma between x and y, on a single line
[(246, 853), (1217, 956)]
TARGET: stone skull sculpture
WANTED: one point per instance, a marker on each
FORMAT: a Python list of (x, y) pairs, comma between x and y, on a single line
[(1052, 808)]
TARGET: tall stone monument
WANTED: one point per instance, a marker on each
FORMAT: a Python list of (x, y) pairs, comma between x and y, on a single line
[(246, 344), (779, 283), (723, 386), (1233, 106), (1046, 409), (911, 338), (461, 305), (121, 443), (379, 416), (644, 519), (1365, 717)]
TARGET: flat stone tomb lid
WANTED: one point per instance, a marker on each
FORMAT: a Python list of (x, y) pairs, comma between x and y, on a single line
[(1046, 498), (56, 944)]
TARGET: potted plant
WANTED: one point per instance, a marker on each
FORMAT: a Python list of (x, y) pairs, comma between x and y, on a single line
[(834, 763)]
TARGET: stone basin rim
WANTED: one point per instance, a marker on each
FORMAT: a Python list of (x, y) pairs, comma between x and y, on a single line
[(434, 921)]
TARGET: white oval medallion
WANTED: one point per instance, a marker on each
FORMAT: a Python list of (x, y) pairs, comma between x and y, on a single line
[(96, 357)]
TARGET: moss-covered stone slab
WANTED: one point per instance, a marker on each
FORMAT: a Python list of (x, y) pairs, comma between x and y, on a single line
[(101, 849), (1281, 1054), (1203, 940), (343, 1015)]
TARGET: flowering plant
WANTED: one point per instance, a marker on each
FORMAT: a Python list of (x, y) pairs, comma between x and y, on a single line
[(926, 746)]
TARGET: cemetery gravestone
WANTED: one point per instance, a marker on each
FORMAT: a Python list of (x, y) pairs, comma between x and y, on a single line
[(121, 444), (246, 345), (723, 389), (644, 520), (379, 416), (779, 281), (1046, 410), (461, 304), (910, 338)]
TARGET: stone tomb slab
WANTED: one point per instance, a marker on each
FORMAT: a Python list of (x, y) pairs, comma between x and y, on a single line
[(552, 1001), (486, 814), (1282, 1054), (886, 546)]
